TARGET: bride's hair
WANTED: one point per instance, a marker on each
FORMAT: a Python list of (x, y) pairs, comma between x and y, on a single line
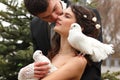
[(86, 18)]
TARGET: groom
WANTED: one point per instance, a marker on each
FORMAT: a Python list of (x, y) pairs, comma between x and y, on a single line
[(46, 12)]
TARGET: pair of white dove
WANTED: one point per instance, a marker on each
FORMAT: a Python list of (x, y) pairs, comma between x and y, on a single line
[(86, 45)]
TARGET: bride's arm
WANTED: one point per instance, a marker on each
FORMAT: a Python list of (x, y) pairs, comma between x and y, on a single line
[(74, 68)]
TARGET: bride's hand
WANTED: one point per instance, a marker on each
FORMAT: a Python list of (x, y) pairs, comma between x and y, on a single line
[(41, 69)]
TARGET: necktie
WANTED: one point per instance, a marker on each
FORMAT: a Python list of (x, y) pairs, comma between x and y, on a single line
[(52, 32)]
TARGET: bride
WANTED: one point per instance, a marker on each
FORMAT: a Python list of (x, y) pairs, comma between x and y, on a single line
[(70, 65)]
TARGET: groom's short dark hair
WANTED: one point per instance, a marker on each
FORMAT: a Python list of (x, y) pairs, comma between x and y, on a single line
[(36, 6)]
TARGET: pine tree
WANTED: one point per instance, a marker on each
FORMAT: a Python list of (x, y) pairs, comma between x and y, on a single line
[(15, 43)]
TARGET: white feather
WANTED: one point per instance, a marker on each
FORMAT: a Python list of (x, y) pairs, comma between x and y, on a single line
[(88, 45), (39, 57), (27, 72)]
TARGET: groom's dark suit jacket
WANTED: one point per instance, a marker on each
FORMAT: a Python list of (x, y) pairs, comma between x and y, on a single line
[(41, 41)]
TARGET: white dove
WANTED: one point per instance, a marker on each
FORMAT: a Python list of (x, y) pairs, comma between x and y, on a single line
[(39, 57), (27, 73), (88, 45)]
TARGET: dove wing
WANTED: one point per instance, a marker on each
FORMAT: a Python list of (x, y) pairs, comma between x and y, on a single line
[(101, 51)]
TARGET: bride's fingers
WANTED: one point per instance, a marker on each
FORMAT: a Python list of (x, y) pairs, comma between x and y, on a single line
[(40, 63), (42, 68), (41, 72)]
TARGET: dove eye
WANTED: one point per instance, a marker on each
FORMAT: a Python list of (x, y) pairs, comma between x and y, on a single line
[(73, 25)]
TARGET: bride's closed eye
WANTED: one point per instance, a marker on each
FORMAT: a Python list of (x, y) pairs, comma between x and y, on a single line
[(67, 15)]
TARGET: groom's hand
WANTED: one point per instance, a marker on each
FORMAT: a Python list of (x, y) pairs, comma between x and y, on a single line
[(41, 69)]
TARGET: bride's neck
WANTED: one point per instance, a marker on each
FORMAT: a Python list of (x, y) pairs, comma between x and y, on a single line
[(65, 47)]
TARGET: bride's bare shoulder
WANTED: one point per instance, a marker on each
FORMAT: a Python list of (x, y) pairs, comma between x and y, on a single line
[(78, 60)]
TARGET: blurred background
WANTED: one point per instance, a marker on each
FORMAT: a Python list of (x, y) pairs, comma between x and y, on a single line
[(16, 46)]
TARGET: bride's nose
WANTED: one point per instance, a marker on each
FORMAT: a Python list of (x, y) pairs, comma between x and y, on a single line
[(60, 17)]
